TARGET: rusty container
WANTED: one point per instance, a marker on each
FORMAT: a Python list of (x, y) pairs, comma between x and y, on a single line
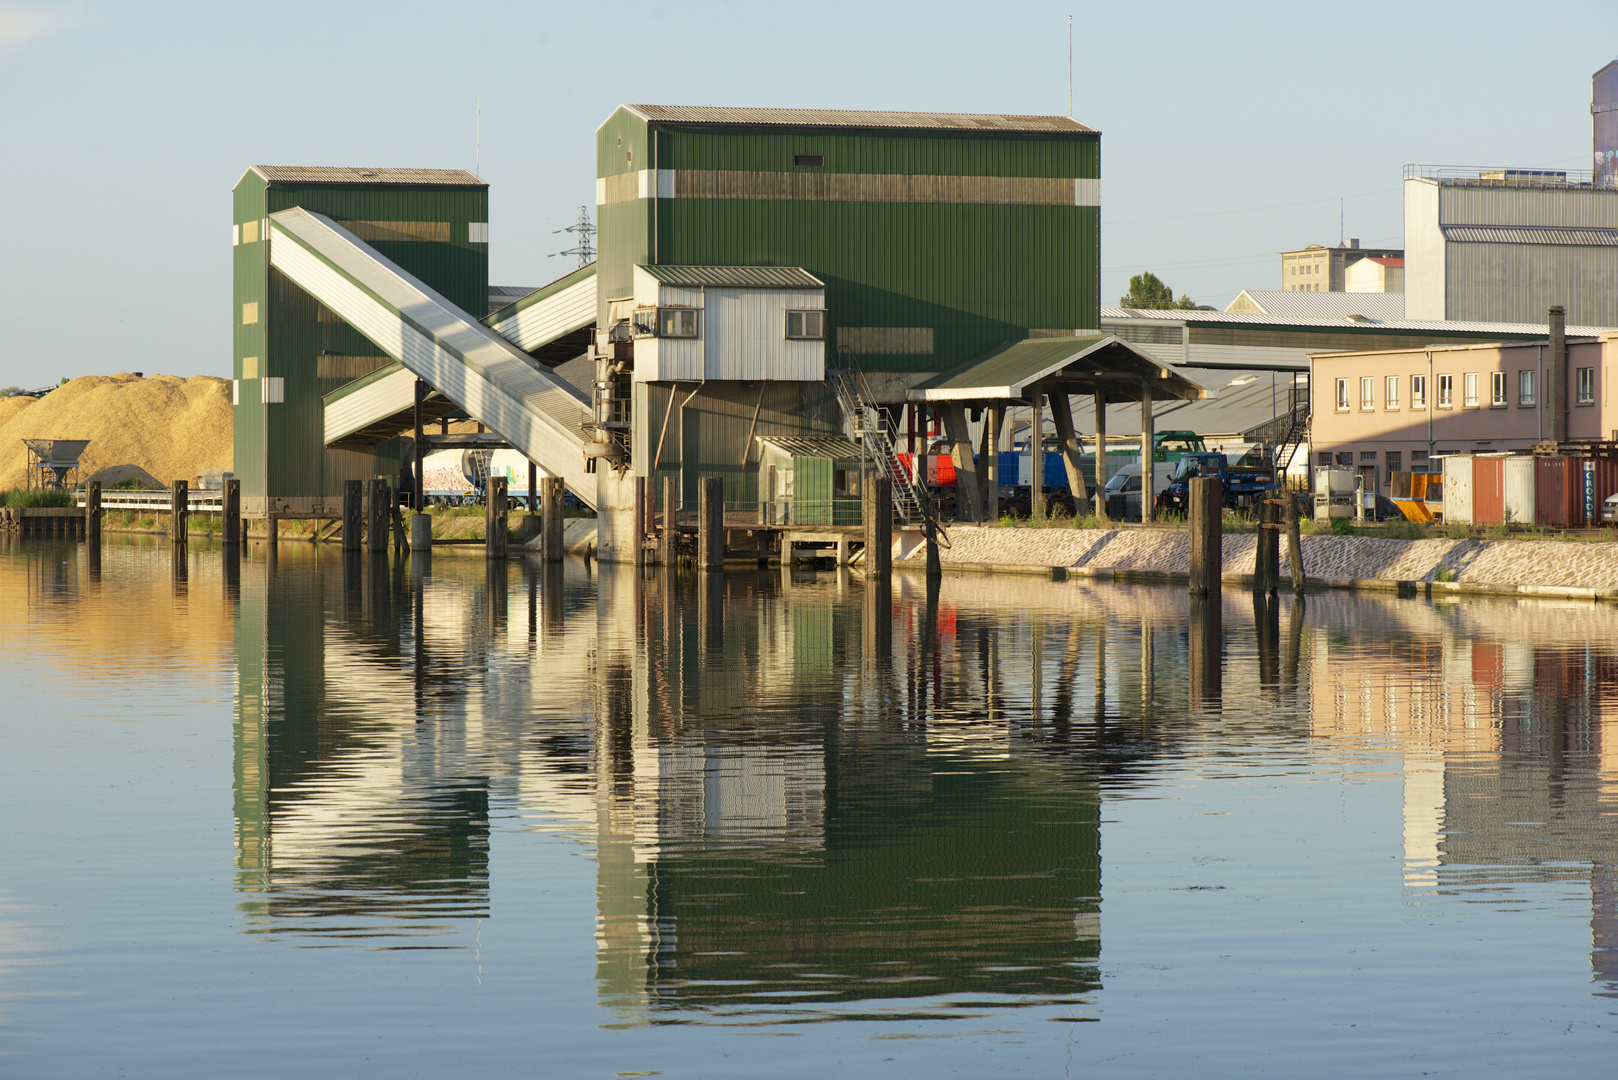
[(1559, 490), (1489, 489)]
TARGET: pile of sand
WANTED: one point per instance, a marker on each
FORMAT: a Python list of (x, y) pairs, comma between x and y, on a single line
[(167, 426)]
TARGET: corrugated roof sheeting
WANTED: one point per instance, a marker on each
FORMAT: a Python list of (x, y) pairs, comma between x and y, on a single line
[(860, 118), (827, 446), (1007, 371), (736, 277), (1325, 305), (1514, 234), (335, 174), (1176, 315)]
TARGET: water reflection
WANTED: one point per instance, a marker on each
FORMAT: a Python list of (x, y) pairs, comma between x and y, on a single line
[(1505, 717)]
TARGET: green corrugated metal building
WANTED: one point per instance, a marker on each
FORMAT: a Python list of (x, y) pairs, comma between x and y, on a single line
[(290, 351), (938, 235)]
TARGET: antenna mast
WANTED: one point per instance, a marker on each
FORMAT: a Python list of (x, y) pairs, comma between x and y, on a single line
[(1070, 67), (477, 167)]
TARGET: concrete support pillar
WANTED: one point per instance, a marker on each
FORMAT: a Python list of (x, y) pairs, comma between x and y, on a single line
[(1036, 456), (550, 499), (1101, 455), (990, 460), (711, 523), (179, 507), (231, 528), (353, 514), (496, 531), (1067, 440), (272, 531), (421, 534), (376, 525), (1148, 447), (878, 516), (967, 488)]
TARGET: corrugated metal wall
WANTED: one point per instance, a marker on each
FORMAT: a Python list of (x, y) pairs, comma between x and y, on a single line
[(1489, 282), (978, 274)]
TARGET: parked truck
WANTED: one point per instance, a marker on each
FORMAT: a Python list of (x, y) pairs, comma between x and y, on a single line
[(1242, 485)]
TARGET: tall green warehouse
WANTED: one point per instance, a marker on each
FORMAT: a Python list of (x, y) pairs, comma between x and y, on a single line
[(290, 350)]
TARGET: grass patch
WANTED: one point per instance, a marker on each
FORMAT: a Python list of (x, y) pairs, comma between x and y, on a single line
[(1444, 573), (22, 497)]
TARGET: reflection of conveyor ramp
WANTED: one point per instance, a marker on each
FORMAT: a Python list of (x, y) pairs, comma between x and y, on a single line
[(496, 383)]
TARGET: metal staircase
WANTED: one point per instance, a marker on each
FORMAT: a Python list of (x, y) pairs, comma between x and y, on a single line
[(1296, 432), (867, 429)]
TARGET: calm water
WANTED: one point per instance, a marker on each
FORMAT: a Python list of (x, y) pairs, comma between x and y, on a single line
[(327, 818)]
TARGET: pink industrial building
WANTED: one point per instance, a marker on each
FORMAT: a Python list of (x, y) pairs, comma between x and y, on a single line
[(1392, 410)]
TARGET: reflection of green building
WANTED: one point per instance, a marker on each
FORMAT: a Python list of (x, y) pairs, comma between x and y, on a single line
[(337, 813)]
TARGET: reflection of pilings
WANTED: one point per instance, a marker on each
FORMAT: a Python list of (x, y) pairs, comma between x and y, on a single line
[(1294, 644), (180, 565), (92, 560), (1148, 687), (378, 602), (550, 599), (230, 561), (418, 631), (711, 612), (878, 621), (1101, 678), (497, 573), (1267, 622), (1207, 649), (353, 585)]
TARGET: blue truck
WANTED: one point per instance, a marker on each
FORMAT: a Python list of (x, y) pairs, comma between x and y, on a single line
[(1242, 485)]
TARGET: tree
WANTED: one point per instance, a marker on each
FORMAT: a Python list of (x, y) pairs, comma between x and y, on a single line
[(1148, 291)]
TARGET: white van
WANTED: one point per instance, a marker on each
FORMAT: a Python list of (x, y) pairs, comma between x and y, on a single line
[(1126, 482)]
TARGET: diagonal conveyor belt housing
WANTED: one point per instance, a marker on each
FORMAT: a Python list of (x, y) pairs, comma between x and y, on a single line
[(537, 412)]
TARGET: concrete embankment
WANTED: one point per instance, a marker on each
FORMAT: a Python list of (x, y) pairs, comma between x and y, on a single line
[(1534, 567)]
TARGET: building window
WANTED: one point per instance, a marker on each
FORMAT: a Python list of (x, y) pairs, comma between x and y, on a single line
[(808, 159), (1390, 393), (1367, 393), (1342, 395), (666, 322), (806, 325), (1345, 458), (1497, 389), (1325, 457), (1367, 455), (1469, 390), (1525, 387), (1418, 460), (1446, 391), (1418, 391), (1584, 382), (1395, 463)]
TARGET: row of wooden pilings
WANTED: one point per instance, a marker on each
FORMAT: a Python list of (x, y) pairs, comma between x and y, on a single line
[(1207, 540)]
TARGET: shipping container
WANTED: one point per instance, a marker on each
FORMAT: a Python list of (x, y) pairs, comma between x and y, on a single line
[(1458, 488), (1520, 501), (1558, 490), (1489, 489), (1603, 471)]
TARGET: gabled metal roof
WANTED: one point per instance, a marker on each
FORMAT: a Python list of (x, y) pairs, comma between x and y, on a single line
[(1557, 236), (1104, 362), (737, 277), (860, 118), (336, 174)]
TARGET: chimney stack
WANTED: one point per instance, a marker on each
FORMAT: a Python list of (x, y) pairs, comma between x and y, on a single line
[(1556, 374)]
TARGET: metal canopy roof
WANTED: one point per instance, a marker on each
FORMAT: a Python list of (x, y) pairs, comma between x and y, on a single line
[(335, 174), (1085, 365), (736, 277), (822, 446), (1549, 235), (861, 118)]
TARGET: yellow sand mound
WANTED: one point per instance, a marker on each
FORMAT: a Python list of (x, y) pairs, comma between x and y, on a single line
[(170, 427)]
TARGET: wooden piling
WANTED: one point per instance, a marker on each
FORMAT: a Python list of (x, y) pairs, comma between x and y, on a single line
[(711, 523), (272, 530), (551, 490), (878, 514), (92, 511), (376, 525), (353, 514), (929, 531), (1267, 553), (179, 506), (495, 518), (1207, 535), (668, 548), (1295, 545), (230, 529), (421, 534)]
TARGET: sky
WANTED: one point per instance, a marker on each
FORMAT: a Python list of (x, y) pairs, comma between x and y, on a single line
[(1230, 132)]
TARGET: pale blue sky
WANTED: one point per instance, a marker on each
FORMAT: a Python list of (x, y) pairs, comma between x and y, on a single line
[(1229, 130)]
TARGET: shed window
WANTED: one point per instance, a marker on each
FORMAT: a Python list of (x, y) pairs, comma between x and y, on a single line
[(1345, 458), (666, 322), (806, 325), (1325, 457), (1497, 388), (808, 159), (1525, 387), (1585, 384)]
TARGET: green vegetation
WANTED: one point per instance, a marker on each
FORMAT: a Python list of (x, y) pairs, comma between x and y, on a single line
[(1444, 573), (1148, 291), (21, 497)]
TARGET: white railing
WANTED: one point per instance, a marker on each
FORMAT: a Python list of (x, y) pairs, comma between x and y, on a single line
[(1504, 175), (205, 501)]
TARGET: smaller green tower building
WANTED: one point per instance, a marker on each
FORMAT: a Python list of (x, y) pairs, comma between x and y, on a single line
[(290, 351)]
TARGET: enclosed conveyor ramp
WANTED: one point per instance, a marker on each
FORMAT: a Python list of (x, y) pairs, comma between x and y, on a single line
[(495, 382)]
